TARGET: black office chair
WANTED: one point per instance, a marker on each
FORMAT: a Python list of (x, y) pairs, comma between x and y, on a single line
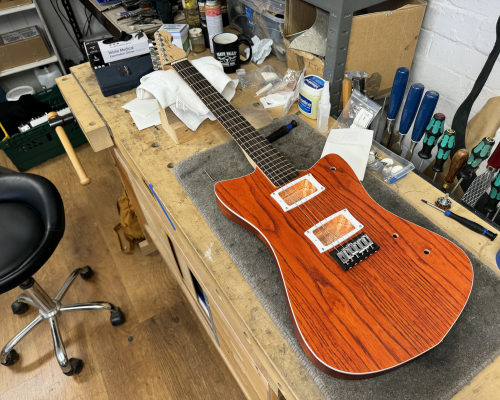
[(31, 226)]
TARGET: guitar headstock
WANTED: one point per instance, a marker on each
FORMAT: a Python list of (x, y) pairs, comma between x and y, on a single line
[(163, 52)]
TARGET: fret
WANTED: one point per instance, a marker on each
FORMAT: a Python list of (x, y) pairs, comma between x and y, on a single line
[(272, 164)]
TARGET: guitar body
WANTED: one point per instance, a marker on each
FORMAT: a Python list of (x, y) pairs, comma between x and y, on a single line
[(391, 307)]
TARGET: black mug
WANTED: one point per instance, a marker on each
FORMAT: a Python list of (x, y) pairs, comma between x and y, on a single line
[(227, 50)]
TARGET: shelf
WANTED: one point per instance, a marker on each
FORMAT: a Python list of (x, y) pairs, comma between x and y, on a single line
[(25, 67), (17, 9)]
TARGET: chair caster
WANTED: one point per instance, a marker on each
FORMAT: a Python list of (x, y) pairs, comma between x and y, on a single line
[(76, 367), (12, 358), (87, 273), (117, 318), (19, 307)]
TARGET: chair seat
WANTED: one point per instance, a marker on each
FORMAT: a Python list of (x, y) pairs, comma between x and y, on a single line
[(22, 231)]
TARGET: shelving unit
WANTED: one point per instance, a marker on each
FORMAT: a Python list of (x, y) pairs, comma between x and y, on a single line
[(25, 67), (18, 18), (13, 10)]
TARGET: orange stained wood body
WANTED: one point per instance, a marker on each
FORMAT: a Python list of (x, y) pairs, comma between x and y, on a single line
[(390, 308)]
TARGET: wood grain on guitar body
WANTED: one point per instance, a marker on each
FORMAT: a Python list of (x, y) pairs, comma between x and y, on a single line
[(366, 290)]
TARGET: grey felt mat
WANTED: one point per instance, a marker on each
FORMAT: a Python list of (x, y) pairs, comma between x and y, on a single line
[(472, 344)]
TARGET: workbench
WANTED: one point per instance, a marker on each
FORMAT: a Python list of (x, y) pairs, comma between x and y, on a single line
[(255, 351)]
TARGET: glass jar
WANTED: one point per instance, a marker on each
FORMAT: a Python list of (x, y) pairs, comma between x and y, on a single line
[(197, 40), (191, 13)]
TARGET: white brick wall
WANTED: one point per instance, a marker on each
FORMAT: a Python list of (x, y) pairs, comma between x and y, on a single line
[(455, 40)]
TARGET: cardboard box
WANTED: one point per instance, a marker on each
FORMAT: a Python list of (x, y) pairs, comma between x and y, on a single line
[(103, 53), (179, 34), (4, 4), (22, 47), (381, 41)]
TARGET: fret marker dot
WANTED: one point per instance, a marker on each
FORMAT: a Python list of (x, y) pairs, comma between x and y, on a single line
[(333, 168)]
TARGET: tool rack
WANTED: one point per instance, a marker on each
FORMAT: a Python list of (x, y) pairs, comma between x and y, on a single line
[(339, 32)]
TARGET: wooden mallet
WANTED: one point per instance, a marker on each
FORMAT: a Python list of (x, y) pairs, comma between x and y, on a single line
[(57, 122)]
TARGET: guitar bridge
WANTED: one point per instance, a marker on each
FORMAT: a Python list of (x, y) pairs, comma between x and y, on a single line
[(354, 251)]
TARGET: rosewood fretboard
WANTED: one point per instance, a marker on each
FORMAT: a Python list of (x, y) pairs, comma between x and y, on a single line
[(277, 169)]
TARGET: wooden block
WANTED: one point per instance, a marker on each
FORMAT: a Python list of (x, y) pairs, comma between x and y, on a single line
[(180, 133), (85, 114), (147, 247)]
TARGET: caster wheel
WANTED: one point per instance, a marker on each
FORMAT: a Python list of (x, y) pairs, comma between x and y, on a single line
[(76, 367), (19, 308), (117, 318), (87, 273), (12, 358)]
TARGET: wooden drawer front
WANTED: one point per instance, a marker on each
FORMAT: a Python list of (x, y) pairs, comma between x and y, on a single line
[(253, 383)]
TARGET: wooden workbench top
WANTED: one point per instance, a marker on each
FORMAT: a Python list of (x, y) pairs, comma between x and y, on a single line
[(155, 165)]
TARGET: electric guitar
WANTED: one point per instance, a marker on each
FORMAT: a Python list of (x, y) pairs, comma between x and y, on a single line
[(366, 290)]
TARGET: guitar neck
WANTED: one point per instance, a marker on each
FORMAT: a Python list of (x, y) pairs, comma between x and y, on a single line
[(277, 169)]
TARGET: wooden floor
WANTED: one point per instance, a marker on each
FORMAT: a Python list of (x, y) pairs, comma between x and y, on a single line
[(161, 352)]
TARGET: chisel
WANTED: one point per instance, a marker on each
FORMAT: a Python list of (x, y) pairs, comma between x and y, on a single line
[(397, 94), (408, 115), (457, 162), (432, 134), (480, 153), (473, 226), (445, 145), (424, 116)]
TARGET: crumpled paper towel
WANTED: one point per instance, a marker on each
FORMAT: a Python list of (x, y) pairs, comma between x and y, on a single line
[(260, 49)]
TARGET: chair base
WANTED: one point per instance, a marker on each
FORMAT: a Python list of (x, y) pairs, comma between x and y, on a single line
[(34, 295)]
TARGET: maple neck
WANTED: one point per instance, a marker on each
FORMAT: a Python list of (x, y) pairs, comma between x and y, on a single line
[(277, 169)]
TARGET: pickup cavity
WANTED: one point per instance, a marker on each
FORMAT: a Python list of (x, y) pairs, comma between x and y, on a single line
[(297, 192)]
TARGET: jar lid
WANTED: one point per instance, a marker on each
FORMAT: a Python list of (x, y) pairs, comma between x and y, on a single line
[(195, 31)]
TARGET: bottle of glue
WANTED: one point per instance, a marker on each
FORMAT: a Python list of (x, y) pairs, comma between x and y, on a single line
[(324, 107)]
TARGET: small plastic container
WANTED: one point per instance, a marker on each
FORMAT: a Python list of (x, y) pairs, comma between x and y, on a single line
[(251, 17), (383, 169), (310, 95), (47, 75), (16, 93)]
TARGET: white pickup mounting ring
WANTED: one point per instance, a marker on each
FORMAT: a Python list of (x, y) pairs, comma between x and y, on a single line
[(297, 192)]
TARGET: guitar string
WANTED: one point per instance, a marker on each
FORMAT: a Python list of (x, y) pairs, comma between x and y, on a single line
[(288, 193), (224, 102), (321, 228)]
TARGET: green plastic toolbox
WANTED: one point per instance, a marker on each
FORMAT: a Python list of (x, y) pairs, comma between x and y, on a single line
[(31, 148)]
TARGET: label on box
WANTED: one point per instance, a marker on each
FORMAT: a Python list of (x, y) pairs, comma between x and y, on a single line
[(305, 104), (102, 55), (22, 34), (248, 14)]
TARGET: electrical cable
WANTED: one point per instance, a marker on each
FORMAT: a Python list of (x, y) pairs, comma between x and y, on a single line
[(66, 29)]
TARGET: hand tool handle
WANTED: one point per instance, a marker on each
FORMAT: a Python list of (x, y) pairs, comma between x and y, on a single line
[(477, 156), (424, 115), (457, 163), (411, 107), (494, 160), (432, 133), (281, 132), (444, 148), (494, 196), (397, 92), (68, 147), (471, 225), (346, 91)]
